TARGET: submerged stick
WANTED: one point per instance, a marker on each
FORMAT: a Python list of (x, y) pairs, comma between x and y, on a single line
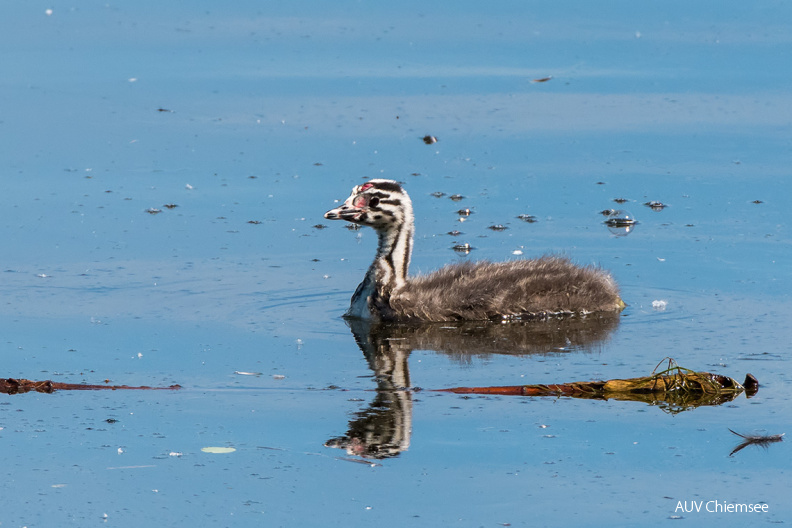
[(19, 386), (681, 388), (692, 383)]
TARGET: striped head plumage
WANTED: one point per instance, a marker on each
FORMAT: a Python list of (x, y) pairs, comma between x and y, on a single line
[(381, 204)]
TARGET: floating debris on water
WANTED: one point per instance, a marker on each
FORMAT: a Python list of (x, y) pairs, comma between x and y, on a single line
[(353, 227), (542, 79), (464, 212), (438, 194), (674, 389), (763, 441), (319, 226), (498, 227), (242, 373), (620, 200), (620, 218), (254, 222), (456, 197), (429, 139), (21, 386), (463, 248), (654, 205), (153, 210), (659, 305), (218, 450), (527, 218), (454, 233)]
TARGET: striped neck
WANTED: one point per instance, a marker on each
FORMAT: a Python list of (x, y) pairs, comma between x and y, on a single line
[(390, 266), (386, 274)]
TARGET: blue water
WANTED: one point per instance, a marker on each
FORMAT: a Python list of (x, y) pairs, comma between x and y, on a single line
[(252, 119)]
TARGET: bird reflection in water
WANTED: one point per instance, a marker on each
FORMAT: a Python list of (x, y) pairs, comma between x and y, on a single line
[(383, 428)]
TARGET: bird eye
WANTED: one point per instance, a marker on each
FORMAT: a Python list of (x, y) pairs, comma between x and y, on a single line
[(374, 201)]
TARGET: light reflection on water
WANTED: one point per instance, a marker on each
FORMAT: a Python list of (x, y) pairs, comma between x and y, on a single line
[(273, 115)]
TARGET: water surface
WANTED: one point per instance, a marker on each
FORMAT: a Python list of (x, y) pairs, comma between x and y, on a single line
[(251, 120)]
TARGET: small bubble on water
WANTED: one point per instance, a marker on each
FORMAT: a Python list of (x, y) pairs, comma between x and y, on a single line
[(619, 222)]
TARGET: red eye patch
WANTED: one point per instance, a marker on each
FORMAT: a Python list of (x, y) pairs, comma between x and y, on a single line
[(360, 201), (366, 186)]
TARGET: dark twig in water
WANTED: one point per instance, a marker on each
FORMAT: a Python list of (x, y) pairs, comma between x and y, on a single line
[(759, 440), (21, 386)]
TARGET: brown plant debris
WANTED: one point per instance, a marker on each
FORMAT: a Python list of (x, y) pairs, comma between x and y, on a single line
[(19, 386), (675, 387)]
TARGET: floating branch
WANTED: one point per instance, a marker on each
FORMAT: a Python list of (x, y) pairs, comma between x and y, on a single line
[(19, 386), (677, 387)]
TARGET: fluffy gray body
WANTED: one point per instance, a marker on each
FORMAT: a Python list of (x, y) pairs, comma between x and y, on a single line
[(517, 289)]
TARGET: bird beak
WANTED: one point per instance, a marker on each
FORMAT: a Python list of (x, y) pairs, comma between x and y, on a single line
[(345, 212), (349, 211), (333, 214)]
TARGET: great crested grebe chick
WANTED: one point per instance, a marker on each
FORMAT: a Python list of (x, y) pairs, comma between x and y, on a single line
[(519, 289)]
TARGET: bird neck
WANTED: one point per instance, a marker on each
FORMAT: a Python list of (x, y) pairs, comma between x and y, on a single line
[(389, 269), (386, 274)]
